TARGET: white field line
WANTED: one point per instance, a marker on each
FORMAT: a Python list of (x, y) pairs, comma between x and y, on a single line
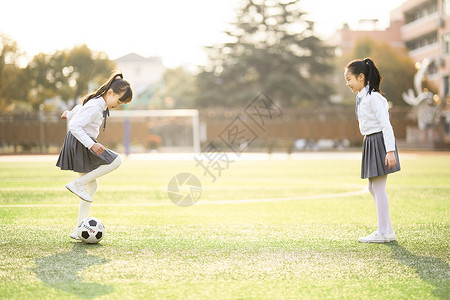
[(323, 196), (254, 183)]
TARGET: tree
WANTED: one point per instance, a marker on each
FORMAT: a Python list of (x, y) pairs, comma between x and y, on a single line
[(85, 66), (66, 73), (13, 85), (272, 48), (395, 66), (179, 88), (46, 77)]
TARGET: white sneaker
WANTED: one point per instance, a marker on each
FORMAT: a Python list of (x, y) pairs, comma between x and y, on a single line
[(79, 190), (375, 237), (74, 235), (391, 237)]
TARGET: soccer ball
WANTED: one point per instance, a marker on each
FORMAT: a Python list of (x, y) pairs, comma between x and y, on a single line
[(91, 230)]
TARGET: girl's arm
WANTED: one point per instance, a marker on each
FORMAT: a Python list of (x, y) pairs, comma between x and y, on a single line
[(380, 108), (70, 114), (77, 124)]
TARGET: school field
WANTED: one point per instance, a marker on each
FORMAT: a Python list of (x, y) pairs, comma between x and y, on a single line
[(272, 228)]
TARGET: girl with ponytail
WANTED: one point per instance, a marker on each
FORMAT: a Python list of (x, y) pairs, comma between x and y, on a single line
[(81, 152), (380, 155)]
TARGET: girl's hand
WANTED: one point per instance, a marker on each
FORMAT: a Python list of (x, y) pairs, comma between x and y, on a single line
[(64, 114), (98, 148), (390, 160)]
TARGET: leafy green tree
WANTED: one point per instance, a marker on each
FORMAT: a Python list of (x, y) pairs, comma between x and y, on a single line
[(271, 48), (46, 77), (179, 88), (13, 79), (66, 73), (85, 67)]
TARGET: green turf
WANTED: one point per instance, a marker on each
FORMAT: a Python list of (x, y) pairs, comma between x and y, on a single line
[(224, 247)]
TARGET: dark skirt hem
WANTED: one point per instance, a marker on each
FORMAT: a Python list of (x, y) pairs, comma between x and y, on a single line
[(374, 155), (76, 157)]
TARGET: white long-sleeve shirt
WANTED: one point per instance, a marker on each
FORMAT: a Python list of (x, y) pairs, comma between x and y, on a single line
[(85, 120), (373, 116)]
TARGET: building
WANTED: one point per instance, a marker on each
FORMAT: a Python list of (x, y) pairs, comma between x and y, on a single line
[(423, 27), (345, 39), (145, 76), (141, 72), (425, 31)]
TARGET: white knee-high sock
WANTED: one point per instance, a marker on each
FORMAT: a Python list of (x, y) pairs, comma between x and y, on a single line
[(85, 206), (371, 191), (100, 171), (89, 179), (91, 187), (382, 203)]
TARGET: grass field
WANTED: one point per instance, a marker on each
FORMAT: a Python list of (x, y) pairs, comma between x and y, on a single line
[(265, 229)]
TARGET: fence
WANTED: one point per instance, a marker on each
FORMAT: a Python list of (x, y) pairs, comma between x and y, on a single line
[(44, 133)]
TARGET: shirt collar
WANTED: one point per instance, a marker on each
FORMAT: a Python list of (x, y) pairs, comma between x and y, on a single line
[(363, 92), (102, 102)]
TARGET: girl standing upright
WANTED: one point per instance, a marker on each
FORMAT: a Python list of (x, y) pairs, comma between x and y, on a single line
[(81, 152), (380, 156)]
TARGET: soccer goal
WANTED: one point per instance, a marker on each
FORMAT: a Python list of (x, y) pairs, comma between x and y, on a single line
[(169, 130)]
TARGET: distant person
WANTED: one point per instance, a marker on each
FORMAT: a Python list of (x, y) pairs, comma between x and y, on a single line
[(380, 156), (81, 152)]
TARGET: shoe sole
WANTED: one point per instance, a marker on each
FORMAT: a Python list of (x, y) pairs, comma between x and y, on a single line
[(379, 242), (87, 200)]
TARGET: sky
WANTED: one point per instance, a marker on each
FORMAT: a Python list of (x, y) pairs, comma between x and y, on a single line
[(176, 30)]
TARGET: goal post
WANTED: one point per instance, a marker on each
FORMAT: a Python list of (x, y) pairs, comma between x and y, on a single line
[(128, 115)]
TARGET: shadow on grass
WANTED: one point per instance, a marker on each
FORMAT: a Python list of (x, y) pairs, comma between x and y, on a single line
[(63, 271), (435, 271)]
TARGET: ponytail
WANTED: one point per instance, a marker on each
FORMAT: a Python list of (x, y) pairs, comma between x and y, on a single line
[(117, 84), (371, 74), (374, 78)]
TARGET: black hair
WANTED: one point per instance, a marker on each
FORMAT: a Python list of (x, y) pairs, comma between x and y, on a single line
[(118, 86), (369, 70)]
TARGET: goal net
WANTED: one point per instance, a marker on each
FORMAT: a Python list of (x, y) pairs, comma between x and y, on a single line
[(138, 131)]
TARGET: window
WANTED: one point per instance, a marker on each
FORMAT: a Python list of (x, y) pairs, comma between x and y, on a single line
[(422, 41), (446, 43), (446, 80), (446, 7), (422, 11), (433, 68)]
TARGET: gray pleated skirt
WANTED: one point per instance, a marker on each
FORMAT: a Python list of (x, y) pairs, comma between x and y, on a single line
[(76, 157), (374, 155)]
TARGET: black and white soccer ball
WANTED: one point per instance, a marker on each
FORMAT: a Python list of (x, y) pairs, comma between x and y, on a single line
[(91, 230)]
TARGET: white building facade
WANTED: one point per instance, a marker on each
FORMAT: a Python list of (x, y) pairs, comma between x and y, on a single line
[(140, 71)]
